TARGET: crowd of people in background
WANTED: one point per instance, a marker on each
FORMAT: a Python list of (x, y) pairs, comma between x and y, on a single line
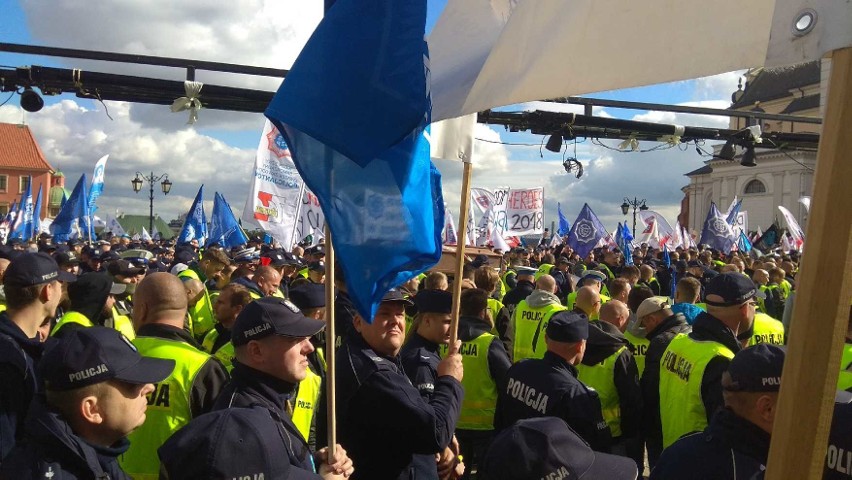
[(128, 359)]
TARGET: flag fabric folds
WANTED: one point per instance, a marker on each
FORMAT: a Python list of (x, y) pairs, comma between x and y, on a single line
[(586, 232), (224, 228), (717, 232), (793, 227), (145, 236), (743, 243), (769, 238), (735, 210), (564, 226), (37, 214), (71, 222), (353, 111), (23, 226), (97, 184), (113, 226), (195, 225)]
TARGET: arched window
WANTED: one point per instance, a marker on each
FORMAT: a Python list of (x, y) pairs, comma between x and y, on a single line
[(755, 186)]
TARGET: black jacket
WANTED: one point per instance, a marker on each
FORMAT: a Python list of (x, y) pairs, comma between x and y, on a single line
[(251, 388), (520, 292), (604, 340), (344, 316), (19, 357), (548, 387), (729, 448), (387, 428), (420, 359), (51, 450), (709, 328), (659, 339)]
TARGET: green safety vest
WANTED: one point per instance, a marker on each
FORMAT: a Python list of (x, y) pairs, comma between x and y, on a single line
[(530, 326), (480, 389), (303, 272), (71, 317), (766, 330), (571, 299), (224, 353), (601, 377), (201, 313), (168, 405), (543, 269), (123, 324), (681, 371), (504, 288), (786, 288), (702, 306), (640, 349), (307, 400), (494, 306), (844, 381)]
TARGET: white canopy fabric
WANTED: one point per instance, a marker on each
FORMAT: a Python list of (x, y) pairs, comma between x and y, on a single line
[(490, 53)]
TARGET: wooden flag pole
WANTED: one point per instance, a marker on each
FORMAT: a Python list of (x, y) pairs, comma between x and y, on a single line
[(464, 207), (820, 314), (330, 343)]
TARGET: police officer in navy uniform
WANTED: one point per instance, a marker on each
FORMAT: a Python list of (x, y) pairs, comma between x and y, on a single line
[(549, 386), (271, 341), (431, 329), (838, 460), (523, 288), (95, 394), (33, 292), (735, 445), (389, 430)]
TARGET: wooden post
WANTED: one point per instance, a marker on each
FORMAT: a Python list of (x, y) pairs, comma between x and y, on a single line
[(330, 344), (464, 207), (820, 315)]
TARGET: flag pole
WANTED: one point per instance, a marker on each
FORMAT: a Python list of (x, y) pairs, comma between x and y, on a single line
[(820, 313), (461, 233), (330, 341), (293, 241)]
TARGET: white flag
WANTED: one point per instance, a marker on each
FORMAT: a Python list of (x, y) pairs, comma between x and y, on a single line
[(556, 240), (311, 220), (449, 234), (146, 237), (793, 227), (806, 201), (114, 227)]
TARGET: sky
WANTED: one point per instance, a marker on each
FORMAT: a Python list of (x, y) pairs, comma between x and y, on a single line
[(219, 150)]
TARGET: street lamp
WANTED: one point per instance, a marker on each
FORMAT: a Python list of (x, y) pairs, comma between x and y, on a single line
[(166, 185), (635, 203)]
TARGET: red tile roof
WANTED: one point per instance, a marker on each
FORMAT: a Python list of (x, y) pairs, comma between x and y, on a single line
[(19, 149)]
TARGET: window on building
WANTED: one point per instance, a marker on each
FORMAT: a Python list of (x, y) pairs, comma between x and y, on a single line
[(23, 183), (755, 186), (3, 181), (4, 208)]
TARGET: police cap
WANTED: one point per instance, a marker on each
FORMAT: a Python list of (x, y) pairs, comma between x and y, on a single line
[(317, 266), (756, 369), (29, 269), (526, 270), (568, 327), (67, 258), (433, 301), (308, 295), (396, 295), (733, 288), (548, 448), (272, 316), (86, 356)]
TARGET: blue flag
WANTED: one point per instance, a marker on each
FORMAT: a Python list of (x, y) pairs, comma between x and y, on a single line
[(37, 214), (354, 110), (586, 232), (623, 242), (743, 243), (97, 184), (11, 214), (564, 226), (23, 226), (627, 234), (195, 225), (717, 232), (71, 220), (224, 228), (732, 217)]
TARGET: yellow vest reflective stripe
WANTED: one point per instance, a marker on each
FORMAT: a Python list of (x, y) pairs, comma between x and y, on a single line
[(202, 312), (224, 353), (681, 370), (494, 306), (640, 348), (543, 269), (844, 381), (528, 321), (303, 272), (307, 399), (168, 406), (123, 324), (601, 377), (480, 390), (766, 330), (71, 317)]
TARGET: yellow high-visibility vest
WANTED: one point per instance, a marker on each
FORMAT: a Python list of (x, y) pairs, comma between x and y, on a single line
[(766, 330), (601, 377), (530, 326)]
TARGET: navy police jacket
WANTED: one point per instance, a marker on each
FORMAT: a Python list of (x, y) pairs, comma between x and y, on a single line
[(420, 359), (548, 387), (387, 428)]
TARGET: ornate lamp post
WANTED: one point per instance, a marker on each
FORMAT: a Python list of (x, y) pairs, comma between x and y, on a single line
[(635, 203), (166, 185)]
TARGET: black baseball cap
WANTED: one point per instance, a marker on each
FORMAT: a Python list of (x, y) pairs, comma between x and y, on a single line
[(433, 301), (28, 269), (317, 266), (733, 288), (69, 257), (308, 295), (568, 327), (125, 268), (228, 443), (272, 316), (546, 447), (85, 356), (396, 295), (757, 369), (694, 264)]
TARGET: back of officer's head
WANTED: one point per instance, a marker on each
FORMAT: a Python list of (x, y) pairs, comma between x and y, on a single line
[(159, 298), (486, 278), (750, 386), (566, 335), (588, 300), (474, 303), (546, 283), (436, 281)]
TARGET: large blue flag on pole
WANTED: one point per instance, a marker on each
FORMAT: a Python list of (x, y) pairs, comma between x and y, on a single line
[(23, 226), (37, 214), (354, 110), (195, 224), (97, 184), (224, 228), (732, 216), (71, 220), (717, 231), (586, 232), (564, 226)]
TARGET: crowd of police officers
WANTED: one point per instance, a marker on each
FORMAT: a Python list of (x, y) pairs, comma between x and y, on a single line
[(123, 359)]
